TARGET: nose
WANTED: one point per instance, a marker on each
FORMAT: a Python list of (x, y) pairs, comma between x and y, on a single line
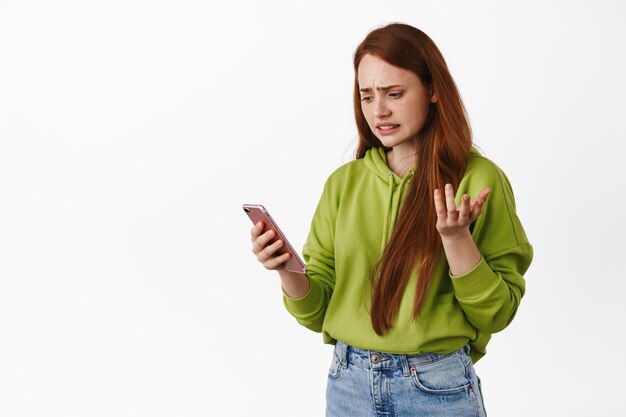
[(380, 108)]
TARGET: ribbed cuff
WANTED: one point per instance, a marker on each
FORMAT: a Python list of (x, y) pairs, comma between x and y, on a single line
[(475, 282), (309, 302)]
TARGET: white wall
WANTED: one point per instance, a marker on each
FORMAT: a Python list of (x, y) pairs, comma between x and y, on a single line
[(132, 131)]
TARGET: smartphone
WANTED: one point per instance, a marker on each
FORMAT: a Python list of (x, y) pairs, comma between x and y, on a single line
[(258, 213)]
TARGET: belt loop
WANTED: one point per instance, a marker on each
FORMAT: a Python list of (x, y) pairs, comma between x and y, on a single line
[(342, 352), (404, 360)]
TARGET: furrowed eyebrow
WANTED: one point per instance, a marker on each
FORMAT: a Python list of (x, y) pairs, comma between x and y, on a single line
[(383, 88)]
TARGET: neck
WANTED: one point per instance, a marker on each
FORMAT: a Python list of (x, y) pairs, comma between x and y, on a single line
[(401, 161)]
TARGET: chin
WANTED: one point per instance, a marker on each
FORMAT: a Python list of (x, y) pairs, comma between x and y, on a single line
[(391, 142)]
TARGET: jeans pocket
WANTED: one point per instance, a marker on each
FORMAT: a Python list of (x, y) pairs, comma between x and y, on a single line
[(444, 376), (333, 372)]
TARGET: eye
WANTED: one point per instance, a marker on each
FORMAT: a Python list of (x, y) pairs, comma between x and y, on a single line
[(367, 99), (395, 95)]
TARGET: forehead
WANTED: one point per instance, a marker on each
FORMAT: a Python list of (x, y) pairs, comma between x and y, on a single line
[(374, 71)]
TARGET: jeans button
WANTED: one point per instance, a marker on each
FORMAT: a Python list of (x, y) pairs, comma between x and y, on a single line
[(375, 359)]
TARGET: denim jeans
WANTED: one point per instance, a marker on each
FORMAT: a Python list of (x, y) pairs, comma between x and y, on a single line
[(365, 383)]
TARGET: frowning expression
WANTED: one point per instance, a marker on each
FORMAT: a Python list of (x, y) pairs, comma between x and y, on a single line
[(394, 101)]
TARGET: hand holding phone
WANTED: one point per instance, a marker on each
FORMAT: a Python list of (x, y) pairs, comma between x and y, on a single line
[(267, 241)]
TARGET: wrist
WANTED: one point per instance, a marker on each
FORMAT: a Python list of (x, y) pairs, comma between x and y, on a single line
[(457, 237), (295, 285)]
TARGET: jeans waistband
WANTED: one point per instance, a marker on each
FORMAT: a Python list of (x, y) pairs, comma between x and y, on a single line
[(382, 360)]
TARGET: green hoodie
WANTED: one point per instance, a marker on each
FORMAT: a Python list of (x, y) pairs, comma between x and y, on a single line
[(351, 227)]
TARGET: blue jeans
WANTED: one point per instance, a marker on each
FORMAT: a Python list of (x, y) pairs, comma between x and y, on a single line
[(365, 383)]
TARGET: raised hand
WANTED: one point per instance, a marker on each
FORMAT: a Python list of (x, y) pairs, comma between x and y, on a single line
[(453, 221)]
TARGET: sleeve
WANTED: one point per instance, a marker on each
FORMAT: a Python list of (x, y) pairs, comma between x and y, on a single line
[(319, 256), (490, 293)]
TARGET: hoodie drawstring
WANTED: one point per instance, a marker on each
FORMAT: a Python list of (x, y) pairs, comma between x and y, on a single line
[(386, 227), (392, 212)]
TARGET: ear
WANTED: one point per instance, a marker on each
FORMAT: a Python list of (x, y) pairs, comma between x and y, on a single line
[(433, 96)]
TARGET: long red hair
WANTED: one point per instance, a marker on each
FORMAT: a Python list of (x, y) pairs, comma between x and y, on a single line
[(442, 154)]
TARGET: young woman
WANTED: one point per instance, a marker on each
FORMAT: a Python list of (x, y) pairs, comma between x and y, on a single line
[(415, 255)]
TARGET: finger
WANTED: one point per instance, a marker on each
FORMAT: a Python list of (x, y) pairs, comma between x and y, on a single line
[(269, 251), (277, 261), (472, 206), (484, 194), (464, 212), (477, 204), (482, 198), (262, 241), (439, 207), (256, 231), (477, 209), (450, 200)]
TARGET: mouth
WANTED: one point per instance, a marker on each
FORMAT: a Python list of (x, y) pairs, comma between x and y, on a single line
[(387, 128)]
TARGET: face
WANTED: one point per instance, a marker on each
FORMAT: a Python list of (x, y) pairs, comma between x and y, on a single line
[(394, 102)]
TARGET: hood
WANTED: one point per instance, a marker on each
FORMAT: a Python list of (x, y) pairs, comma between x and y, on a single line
[(376, 161)]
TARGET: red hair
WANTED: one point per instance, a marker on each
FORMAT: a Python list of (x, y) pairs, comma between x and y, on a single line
[(442, 154)]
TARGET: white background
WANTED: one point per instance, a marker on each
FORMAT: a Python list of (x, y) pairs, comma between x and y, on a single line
[(132, 131)]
